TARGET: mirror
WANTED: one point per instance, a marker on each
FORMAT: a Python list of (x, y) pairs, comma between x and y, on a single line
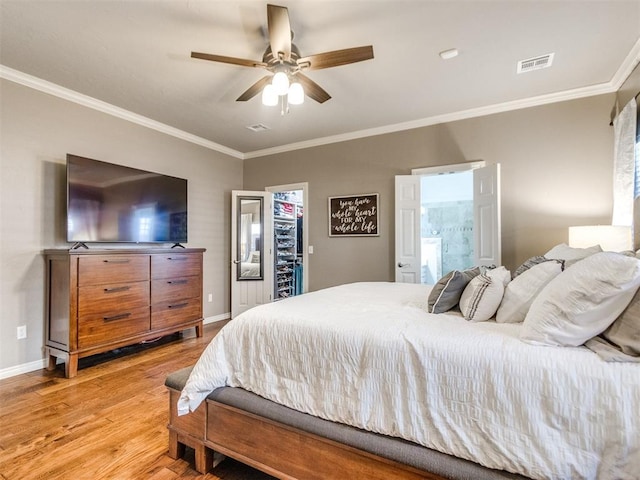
[(249, 249)]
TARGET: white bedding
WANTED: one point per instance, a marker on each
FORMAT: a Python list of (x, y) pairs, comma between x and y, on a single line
[(368, 355), (249, 269)]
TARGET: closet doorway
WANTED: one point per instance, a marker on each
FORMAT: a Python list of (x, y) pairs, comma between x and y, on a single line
[(290, 239)]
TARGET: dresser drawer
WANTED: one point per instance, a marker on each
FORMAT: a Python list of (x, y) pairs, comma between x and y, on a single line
[(97, 299), (100, 269), (175, 265), (171, 289), (168, 314), (118, 324)]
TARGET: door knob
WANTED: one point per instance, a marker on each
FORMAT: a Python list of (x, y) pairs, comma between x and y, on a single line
[(236, 262), (402, 265)]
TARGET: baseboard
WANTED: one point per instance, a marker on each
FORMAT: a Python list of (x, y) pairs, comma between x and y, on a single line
[(23, 368), (40, 364), (217, 318)]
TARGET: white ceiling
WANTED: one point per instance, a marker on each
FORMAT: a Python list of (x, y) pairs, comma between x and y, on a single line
[(135, 55)]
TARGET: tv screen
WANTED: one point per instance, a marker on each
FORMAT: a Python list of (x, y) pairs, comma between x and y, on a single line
[(114, 203)]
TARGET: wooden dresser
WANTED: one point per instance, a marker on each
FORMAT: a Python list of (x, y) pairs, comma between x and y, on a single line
[(98, 300)]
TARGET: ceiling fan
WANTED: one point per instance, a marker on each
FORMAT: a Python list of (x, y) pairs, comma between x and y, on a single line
[(285, 63)]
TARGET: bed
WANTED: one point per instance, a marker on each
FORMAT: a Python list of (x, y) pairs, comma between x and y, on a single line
[(368, 356)]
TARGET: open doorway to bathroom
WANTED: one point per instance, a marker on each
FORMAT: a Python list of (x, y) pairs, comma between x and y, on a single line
[(447, 218), (446, 224)]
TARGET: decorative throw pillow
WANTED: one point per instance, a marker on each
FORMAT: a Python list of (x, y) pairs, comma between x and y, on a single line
[(625, 331), (532, 262), (254, 257), (445, 294), (482, 296), (571, 255), (609, 352), (522, 290), (582, 301)]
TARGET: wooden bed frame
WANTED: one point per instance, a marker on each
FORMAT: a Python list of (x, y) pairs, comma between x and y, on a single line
[(274, 448)]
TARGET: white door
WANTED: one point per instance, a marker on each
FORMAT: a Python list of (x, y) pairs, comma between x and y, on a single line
[(486, 207), (251, 250), (486, 216), (407, 264)]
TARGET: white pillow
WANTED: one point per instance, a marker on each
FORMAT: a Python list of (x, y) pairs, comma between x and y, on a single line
[(571, 255), (582, 301), (483, 294), (520, 293)]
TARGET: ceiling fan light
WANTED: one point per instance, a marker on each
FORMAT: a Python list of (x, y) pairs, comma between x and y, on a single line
[(296, 94), (269, 96), (280, 83)]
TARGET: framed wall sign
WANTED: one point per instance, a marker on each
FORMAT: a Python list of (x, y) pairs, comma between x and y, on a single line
[(354, 216)]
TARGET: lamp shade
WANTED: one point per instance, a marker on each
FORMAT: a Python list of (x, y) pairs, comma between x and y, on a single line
[(269, 96), (296, 94), (613, 238), (280, 83)]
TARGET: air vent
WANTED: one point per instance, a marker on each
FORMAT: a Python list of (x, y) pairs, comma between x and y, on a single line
[(258, 127), (535, 63)]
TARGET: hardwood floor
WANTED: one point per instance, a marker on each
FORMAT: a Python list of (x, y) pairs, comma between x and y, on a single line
[(109, 422)]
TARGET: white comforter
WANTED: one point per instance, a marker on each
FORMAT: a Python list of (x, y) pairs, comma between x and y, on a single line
[(368, 355)]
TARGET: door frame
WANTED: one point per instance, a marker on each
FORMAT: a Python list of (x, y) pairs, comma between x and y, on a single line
[(455, 168), (304, 186)]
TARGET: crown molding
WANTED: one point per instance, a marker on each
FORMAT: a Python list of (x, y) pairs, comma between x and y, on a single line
[(628, 65), (44, 86), (445, 118)]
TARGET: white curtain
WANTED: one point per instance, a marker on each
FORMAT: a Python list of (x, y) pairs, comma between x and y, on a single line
[(624, 130)]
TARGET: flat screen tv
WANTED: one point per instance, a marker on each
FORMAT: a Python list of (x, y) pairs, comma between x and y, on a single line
[(114, 203)]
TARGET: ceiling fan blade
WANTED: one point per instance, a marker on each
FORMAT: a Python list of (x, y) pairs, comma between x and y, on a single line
[(234, 61), (279, 31), (312, 89), (254, 89), (337, 57)]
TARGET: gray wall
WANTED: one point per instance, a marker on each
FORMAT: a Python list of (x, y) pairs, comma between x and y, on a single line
[(556, 163), (38, 130), (630, 88)]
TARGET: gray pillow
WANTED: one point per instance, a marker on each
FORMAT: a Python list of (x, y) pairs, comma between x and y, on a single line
[(447, 291), (625, 331), (532, 262)]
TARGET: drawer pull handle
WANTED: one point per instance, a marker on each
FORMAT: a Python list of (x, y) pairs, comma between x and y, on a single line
[(177, 259), (116, 317), (179, 305), (117, 289), (116, 261), (177, 282)]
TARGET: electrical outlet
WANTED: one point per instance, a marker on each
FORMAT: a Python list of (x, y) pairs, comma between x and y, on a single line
[(22, 332), (310, 249), (211, 297)]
